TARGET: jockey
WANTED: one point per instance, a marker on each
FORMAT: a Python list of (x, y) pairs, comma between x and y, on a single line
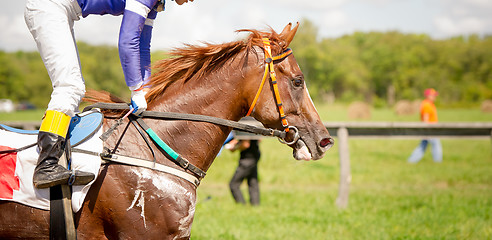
[(51, 24)]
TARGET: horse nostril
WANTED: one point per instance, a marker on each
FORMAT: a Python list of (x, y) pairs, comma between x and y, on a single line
[(325, 142)]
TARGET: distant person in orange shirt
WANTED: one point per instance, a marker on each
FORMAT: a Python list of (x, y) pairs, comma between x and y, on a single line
[(428, 114)]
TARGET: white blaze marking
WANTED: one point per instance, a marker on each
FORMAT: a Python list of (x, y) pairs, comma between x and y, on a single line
[(310, 99)]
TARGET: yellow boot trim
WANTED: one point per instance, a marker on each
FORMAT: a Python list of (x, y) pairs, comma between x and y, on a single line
[(55, 122)]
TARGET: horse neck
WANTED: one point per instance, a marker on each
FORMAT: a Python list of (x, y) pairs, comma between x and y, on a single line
[(217, 94)]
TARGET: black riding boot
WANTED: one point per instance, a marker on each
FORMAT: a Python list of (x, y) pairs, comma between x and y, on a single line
[(47, 172)]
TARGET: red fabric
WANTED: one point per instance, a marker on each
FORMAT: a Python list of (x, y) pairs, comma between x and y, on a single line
[(430, 91), (8, 181)]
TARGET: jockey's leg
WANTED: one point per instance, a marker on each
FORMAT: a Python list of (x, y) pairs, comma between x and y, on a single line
[(51, 144), (51, 24)]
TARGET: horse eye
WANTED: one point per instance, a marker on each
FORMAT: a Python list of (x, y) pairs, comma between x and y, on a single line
[(298, 81)]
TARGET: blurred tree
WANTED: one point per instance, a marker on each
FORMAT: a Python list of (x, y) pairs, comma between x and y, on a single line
[(368, 66)]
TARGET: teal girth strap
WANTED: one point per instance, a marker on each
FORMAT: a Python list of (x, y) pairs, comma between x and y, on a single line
[(173, 154), (169, 152)]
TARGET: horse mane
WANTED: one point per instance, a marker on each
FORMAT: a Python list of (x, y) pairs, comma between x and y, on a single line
[(192, 62)]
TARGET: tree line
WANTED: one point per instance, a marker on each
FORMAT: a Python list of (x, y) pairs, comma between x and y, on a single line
[(376, 67), (381, 68)]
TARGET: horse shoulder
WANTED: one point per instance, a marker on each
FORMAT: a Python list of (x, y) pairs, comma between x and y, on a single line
[(131, 202)]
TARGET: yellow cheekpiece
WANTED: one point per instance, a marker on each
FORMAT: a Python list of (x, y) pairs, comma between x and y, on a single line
[(55, 122)]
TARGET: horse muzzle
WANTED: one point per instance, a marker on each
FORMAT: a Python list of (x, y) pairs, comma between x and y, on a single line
[(303, 152)]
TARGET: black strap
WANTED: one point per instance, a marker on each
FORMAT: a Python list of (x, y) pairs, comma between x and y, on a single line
[(61, 214), (193, 117), (144, 137), (18, 149), (110, 131), (119, 139), (110, 106)]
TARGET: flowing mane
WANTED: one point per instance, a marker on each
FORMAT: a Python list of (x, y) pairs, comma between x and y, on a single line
[(193, 62)]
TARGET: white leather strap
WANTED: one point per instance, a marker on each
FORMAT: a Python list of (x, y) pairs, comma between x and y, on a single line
[(137, 162), (151, 165)]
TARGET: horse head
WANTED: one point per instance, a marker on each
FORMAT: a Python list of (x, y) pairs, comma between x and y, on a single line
[(288, 105)]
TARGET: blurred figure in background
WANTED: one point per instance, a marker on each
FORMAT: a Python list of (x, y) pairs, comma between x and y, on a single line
[(428, 114), (247, 169)]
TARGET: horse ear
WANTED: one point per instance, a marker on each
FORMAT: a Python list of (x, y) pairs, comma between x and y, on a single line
[(288, 34), (285, 31)]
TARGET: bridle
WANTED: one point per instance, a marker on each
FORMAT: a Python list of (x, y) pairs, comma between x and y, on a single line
[(269, 61)]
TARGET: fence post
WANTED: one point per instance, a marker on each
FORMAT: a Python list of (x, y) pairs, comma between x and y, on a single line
[(345, 177)]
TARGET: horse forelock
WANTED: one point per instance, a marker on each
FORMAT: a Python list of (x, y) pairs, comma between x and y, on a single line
[(193, 62)]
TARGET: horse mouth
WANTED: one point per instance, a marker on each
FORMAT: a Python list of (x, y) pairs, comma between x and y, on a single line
[(301, 151)]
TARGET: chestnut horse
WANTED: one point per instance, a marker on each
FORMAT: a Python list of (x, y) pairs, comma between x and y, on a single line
[(129, 202)]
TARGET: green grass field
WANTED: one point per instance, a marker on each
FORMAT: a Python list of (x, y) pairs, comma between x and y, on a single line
[(389, 198), (27, 115)]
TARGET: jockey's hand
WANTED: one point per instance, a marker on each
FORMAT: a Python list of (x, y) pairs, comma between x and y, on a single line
[(139, 103)]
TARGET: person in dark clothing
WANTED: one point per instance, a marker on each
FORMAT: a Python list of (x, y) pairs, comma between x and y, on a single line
[(247, 169)]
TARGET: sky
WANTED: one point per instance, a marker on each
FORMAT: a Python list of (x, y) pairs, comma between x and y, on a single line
[(216, 21)]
